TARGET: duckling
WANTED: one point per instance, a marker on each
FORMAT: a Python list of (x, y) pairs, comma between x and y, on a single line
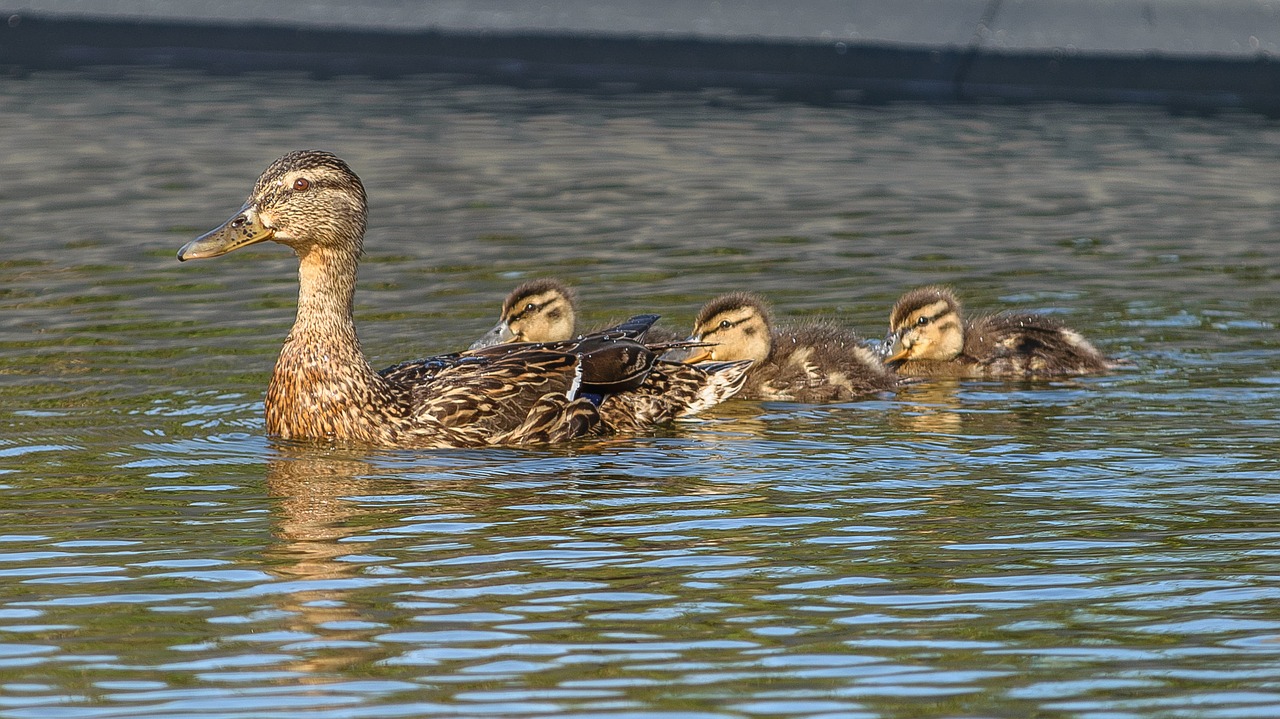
[(323, 387), (542, 310), (929, 338), (545, 310), (811, 363)]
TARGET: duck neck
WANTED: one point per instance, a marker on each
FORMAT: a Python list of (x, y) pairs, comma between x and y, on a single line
[(323, 384), (326, 301)]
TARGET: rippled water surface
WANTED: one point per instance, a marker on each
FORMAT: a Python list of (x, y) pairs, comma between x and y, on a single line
[(1101, 547)]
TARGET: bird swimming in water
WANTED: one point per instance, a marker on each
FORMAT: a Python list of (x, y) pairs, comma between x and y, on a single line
[(811, 363), (323, 387), (928, 337)]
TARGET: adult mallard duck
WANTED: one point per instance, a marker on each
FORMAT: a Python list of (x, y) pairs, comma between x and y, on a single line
[(929, 338), (810, 363), (545, 310), (324, 389)]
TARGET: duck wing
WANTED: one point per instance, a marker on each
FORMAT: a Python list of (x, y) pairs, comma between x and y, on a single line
[(615, 359), (521, 393), (645, 390), (636, 390), (420, 370), (672, 390), (527, 394)]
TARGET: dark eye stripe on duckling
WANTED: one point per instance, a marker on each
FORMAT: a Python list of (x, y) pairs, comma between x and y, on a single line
[(533, 306), (720, 326), (939, 309)]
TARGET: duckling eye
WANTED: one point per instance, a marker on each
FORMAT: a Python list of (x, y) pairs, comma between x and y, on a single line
[(724, 324), (922, 321), (301, 184), (528, 307)]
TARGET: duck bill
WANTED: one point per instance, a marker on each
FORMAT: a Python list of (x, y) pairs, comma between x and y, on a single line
[(500, 334), (243, 229), (689, 354), (895, 351)]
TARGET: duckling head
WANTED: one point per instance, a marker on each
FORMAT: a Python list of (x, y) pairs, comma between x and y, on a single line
[(307, 200), (731, 327), (925, 325), (542, 310)]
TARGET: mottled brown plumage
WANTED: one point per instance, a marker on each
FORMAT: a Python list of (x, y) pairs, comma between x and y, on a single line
[(809, 363), (672, 390), (928, 337), (323, 387)]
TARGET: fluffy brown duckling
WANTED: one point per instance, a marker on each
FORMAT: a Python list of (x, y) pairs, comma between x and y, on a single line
[(323, 387), (811, 363), (545, 310), (928, 337), (542, 310)]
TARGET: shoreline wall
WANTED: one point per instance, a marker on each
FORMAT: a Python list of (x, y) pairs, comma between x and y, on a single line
[(794, 62)]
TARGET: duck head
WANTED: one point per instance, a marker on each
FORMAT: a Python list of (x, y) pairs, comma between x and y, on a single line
[(731, 327), (925, 324), (307, 200), (542, 310)]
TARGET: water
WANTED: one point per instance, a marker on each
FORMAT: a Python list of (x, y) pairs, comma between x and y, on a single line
[(1099, 547)]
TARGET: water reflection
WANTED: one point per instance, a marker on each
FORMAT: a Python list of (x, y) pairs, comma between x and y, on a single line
[(311, 514), (929, 408)]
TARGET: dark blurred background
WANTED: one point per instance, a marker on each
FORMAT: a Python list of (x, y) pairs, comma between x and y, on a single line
[(1197, 55)]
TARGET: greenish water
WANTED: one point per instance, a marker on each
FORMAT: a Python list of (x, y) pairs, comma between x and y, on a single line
[(1100, 547)]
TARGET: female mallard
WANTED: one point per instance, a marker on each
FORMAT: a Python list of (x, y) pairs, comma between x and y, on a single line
[(545, 310), (812, 363), (928, 338), (324, 389)]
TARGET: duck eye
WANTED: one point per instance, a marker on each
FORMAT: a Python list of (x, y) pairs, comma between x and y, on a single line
[(724, 324), (922, 321), (301, 184), (528, 307)]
